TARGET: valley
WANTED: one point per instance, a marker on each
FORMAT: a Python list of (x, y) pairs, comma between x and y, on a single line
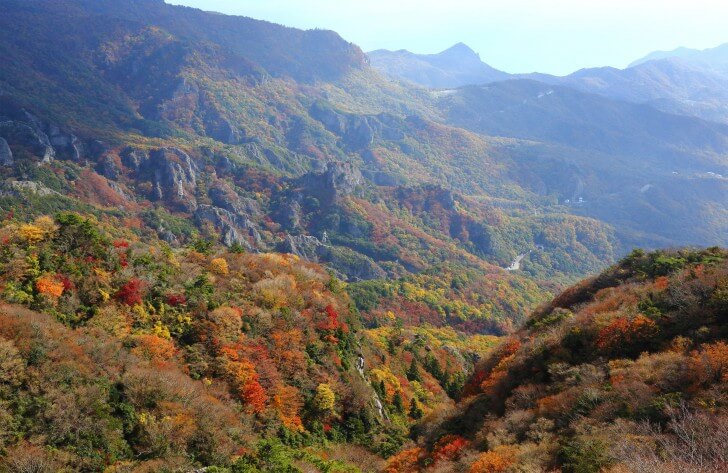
[(231, 246)]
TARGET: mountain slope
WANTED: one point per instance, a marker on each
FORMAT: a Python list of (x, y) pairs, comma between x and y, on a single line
[(673, 85), (613, 374), (159, 107), (621, 159), (454, 67)]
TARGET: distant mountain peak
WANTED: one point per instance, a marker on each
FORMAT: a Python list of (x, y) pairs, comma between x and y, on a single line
[(456, 66), (460, 49)]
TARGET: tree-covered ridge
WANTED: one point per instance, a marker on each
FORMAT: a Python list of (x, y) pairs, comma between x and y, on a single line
[(135, 356), (623, 372)]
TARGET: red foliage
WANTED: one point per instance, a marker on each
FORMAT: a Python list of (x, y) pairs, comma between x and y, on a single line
[(176, 299), (448, 447), (332, 319), (121, 244), (131, 292), (253, 394), (67, 283)]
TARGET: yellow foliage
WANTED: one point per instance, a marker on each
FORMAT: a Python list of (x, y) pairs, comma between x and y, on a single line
[(219, 266), (391, 382), (31, 233), (161, 331), (325, 399)]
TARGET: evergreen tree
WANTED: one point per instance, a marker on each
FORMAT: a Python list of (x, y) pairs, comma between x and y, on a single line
[(413, 372), (398, 402), (415, 410)]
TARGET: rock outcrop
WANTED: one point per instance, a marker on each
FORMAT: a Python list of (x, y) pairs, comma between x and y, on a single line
[(357, 132), (108, 168), (348, 264), (6, 155), (134, 158), (19, 188), (337, 181), (28, 136), (234, 228), (226, 198), (173, 175)]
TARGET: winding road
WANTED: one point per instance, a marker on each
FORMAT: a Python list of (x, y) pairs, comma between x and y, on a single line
[(516, 265)]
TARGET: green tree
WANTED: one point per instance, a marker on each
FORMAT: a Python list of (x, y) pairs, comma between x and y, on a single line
[(413, 372), (398, 402), (415, 411)]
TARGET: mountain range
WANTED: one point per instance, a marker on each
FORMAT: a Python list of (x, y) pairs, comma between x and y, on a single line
[(214, 221), (683, 81)]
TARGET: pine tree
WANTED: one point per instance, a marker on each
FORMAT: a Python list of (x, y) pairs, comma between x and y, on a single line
[(398, 402), (382, 390), (413, 372), (415, 410)]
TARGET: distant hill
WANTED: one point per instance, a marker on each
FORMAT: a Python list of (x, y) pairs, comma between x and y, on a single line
[(657, 55), (683, 81), (716, 57), (622, 159), (454, 67)]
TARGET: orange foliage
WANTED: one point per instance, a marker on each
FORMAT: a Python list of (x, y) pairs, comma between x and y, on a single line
[(244, 381), (662, 283), (448, 447), (404, 462), (625, 331), (153, 348), (711, 362), (287, 402), (219, 266), (498, 373), (254, 395), (49, 286), (496, 460), (287, 350)]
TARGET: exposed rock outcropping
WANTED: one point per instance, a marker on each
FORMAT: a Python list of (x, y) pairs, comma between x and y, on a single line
[(234, 228), (173, 175), (348, 264), (6, 155)]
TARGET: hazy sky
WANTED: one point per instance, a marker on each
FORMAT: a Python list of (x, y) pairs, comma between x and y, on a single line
[(554, 36)]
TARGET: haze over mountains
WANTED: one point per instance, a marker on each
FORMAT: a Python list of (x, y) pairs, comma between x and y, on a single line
[(684, 81), (228, 243)]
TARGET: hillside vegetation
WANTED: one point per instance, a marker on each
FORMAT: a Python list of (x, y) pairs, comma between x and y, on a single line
[(145, 358), (625, 371)]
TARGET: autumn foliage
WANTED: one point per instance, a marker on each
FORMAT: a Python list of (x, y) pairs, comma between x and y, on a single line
[(622, 370), (50, 286)]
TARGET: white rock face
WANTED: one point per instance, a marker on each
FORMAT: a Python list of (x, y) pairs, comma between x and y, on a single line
[(6, 156)]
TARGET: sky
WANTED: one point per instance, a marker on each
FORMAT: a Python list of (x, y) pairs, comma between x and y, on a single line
[(550, 36)]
